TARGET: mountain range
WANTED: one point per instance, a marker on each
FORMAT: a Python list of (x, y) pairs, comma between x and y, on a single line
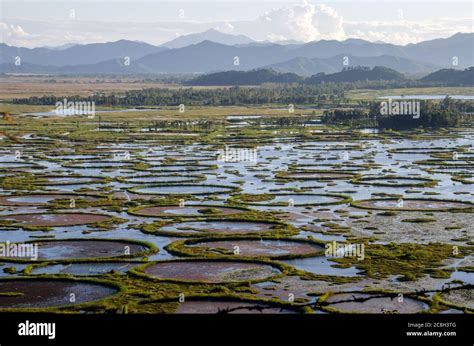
[(200, 53)]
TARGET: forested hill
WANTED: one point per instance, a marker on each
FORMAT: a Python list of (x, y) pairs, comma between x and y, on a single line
[(254, 77), (260, 76), (451, 76), (356, 74)]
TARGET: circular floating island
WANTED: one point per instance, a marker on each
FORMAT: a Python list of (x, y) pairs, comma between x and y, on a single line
[(186, 211), (159, 179), (322, 175), (395, 181), (100, 164), (414, 204), (292, 199), (180, 168), (425, 150), (55, 219), (58, 180), (449, 170), (38, 199), (89, 249), (182, 189), (180, 158), (338, 167), (330, 147), (18, 164), (464, 178), (372, 303), (223, 227), (258, 248), (26, 293), (209, 271), (78, 157), (443, 164)]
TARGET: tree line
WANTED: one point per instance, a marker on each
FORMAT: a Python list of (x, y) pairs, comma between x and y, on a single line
[(432, 114)]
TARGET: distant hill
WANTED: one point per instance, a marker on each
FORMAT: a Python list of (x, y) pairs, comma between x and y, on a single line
[(442, 51), (356, 74), (254, 77), (306, 66), (78, 54), (208, 56), (113, 66), (309, 67), (27, 68), (209, 35), (452, 76)]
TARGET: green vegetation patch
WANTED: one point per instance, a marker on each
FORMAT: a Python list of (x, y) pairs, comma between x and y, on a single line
[(395, 181), (266, 199), (407, 261)]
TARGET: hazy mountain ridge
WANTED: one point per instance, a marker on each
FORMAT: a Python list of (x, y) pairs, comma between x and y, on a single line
[(78, 54), (309, 67), (207, 56), (209, 35)]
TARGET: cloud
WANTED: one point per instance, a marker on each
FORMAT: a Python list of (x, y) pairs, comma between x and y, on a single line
[(305, 22), (403, 31), (329, 23), (226, 27), (11, 33)]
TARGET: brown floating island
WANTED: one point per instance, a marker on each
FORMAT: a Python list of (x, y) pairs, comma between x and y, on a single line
[(209, 271), (43, 293), (265, 248), (414, 204), (39, 199), (50, 219)]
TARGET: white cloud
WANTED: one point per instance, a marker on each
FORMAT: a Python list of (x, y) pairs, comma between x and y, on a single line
[(226, 27), (305, 22), (404, 31), (11, 33)]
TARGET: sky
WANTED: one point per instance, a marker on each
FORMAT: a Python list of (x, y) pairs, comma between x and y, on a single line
[(34, 23)]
